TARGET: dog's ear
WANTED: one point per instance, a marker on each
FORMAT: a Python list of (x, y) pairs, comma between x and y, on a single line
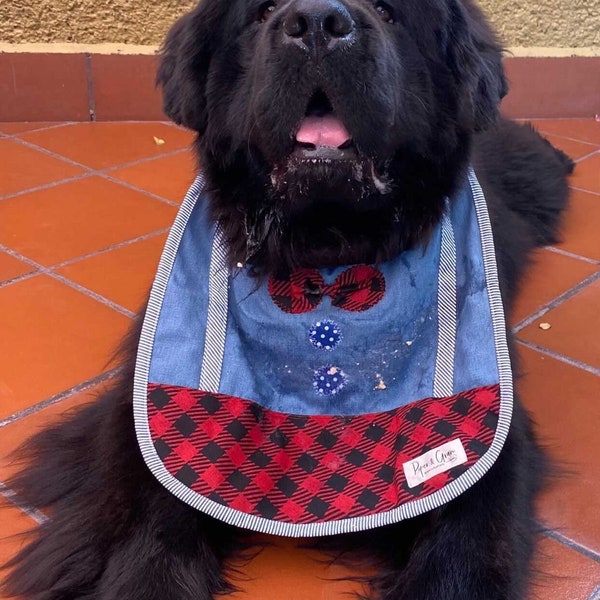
[(183, 70), (476, 54)]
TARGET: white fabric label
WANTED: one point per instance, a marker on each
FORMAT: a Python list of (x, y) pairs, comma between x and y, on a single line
[(435, 461)]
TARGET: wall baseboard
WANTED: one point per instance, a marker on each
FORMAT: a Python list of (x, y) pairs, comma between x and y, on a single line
[(552, 87), (83, 86)]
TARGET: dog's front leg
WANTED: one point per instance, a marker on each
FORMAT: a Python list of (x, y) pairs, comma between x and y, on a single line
[(174, 555), (114, 532), (479, 546)]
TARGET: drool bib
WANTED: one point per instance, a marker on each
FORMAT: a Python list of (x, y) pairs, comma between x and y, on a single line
[(324, 401)]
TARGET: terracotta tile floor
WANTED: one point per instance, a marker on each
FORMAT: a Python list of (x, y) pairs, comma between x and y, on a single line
[(84, 210)]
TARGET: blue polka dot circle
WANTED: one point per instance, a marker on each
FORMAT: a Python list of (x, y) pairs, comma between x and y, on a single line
[(329, 380), (325, 335)]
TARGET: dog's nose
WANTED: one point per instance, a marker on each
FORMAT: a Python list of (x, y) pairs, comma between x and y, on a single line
[(318, 26)]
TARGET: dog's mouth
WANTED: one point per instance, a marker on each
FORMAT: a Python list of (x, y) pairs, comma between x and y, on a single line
[(321, 135), (326, 166)]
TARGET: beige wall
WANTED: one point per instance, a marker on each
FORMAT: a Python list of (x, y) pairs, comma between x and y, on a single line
[(574, 23), (558, 23)]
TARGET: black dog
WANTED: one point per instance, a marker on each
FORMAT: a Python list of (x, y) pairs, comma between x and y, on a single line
[(412, 89)]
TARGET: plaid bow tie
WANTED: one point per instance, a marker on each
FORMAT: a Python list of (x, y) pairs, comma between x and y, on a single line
[(357, 289)]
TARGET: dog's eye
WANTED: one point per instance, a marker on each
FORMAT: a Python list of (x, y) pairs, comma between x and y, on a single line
[(385, 12), (265, 10)]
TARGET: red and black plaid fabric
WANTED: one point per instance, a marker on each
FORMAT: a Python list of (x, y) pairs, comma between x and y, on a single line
[(300, 468), (357, 289)]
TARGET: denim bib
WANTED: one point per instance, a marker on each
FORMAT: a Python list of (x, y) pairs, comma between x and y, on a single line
[(319, 402)]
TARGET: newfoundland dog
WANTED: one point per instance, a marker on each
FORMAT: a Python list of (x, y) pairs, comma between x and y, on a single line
[(330, 133)]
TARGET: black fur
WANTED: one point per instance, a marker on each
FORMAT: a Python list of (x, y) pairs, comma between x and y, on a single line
[(436, 80), (420, 97)]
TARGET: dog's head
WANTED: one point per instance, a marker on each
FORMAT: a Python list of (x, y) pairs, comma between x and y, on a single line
[(331, 130)]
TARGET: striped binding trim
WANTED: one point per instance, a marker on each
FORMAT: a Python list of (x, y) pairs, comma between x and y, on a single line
[(216, 320), (443, 379), (505, 374), (406, 511)]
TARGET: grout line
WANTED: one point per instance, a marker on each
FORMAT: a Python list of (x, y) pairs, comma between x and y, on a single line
[(129, 121), (543, 132), (573, 545), (48, 127), (573, 255), (587, 119), (21, 257), (139, 238), (89, 171), (137, 189), (80, 288), (64, 395), (558, 300), (52, 154), (58, 124), (91, 294), (578, 160), (565, 359), (37, 515), (70, 261), (90, 86), (92, 169), (579, 189), (180, 127), (46, 186), (140, 161), (19, 278)]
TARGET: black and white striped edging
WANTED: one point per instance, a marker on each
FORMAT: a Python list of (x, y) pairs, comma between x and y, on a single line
[(505, 374), (443, 379), (216, 320), (144, 354)]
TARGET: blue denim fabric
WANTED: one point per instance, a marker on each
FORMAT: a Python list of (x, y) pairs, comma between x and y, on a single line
[(269, 357)]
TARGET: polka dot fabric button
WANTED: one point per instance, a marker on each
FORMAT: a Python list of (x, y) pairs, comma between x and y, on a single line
[(329, 380), (325, 335)]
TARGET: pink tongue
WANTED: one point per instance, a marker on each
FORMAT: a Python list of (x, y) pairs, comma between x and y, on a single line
[(323, 131)]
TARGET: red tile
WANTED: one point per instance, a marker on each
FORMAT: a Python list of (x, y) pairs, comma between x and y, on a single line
[(102, 145), (572, 148), (123, 275), (563, 403), (575, 327), (124, 87), (16, 433), (24, 168), (587, 174), (563, 574), (43, 87), (11, 267), (284, 570), (581, 225), (585, 130), (53, 338), (168, 177), (66, 221), (549, 276), (22, 127)]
